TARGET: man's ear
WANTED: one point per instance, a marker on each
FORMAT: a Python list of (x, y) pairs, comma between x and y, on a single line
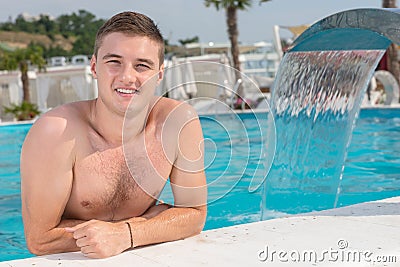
[(160, 74), (93, 62)]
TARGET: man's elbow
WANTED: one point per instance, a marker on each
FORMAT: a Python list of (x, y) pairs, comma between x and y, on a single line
[(38, 244), (198, 229), (36, 247), (201, 220)]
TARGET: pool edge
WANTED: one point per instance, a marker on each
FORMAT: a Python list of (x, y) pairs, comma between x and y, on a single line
[(366, 227)]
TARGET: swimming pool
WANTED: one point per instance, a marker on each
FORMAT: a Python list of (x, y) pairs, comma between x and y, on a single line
[(371, 172)]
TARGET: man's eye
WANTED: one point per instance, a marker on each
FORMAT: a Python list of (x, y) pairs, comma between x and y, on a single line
[(113, 62), (142, 67)]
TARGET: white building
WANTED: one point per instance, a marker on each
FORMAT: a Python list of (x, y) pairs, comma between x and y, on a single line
[(54, 87)]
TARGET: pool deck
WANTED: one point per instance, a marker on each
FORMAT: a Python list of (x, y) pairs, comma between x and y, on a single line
[(365, 234)]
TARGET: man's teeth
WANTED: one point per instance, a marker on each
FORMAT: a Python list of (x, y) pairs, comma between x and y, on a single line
[(126, 91)]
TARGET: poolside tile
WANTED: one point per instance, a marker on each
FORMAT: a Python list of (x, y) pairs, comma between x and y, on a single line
[(366, 230), (76, 259)]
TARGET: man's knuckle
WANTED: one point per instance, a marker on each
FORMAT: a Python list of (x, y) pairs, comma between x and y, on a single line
[(91, 231)]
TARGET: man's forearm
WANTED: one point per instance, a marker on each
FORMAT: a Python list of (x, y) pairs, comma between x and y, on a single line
[(56, 240), (171, 224), (160, 224)]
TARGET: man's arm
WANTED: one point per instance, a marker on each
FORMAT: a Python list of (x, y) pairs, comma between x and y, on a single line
[(46, 182), (187, 216)]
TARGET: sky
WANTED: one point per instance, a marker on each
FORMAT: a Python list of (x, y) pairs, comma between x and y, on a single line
[(182, 19)]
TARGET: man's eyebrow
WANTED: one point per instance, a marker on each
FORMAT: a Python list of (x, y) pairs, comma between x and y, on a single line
[(145, 60), (107, 56)]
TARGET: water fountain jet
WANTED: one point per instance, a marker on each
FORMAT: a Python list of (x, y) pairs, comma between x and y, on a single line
[(315, 101)]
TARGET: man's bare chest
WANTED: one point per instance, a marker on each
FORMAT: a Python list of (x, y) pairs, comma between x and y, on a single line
[(112, 183)]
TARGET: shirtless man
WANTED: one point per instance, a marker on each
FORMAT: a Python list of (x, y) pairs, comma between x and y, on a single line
[(87, 186)]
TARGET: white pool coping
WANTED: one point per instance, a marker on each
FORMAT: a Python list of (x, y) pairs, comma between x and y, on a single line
[(369, 230), (254, 110)]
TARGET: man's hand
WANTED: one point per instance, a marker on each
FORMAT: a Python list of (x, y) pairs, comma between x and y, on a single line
[(98, 239)]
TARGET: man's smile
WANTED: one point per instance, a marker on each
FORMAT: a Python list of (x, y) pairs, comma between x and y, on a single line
[(127, 91)]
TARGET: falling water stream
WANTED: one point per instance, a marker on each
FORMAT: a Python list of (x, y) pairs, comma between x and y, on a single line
[(315, 101), (314, 105)]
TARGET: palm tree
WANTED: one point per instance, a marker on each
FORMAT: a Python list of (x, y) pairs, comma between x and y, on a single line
[(231, 7), (20, 59), (393, 62)]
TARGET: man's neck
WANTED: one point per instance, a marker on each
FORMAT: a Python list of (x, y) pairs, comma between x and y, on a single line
[(114, 127)]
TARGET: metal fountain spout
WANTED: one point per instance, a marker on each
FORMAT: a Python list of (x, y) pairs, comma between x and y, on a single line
[(315, 101), (357, 29)]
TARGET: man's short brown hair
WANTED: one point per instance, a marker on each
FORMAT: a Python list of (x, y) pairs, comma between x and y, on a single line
[(132, 24)]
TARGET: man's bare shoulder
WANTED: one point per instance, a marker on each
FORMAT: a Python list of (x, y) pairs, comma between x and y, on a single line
[(164, 108), (54, 136), (62, 120)]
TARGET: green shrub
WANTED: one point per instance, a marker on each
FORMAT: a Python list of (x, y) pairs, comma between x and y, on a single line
[(24, 111)]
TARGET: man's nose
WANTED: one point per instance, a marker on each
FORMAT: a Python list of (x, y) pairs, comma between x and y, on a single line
[(128, 75)]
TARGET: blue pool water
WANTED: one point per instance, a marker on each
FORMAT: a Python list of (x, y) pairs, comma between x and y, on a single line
[(233, 146)]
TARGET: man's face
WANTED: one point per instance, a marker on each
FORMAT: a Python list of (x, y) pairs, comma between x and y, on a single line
[(122, 67)]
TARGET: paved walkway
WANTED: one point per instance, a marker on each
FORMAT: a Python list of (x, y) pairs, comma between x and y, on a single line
[(365, 234)]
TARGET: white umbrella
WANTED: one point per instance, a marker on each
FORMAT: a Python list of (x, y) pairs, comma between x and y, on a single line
[(173, 80), (180, 80), (189, 79), (15, 90), (227, 77)]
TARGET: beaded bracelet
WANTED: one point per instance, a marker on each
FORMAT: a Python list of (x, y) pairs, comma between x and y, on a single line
[(130, 233)]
